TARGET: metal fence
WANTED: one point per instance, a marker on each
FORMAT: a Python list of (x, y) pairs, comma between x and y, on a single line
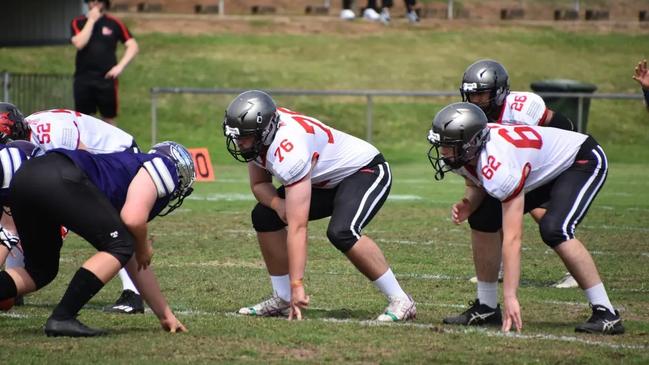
[(369, 95), (36, 92)]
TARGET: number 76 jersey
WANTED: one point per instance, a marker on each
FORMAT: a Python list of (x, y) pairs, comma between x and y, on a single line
[(300, 140), (522, 158)]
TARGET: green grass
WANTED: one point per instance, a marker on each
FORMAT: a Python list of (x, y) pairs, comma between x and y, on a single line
[(209, 265), (207, 257)]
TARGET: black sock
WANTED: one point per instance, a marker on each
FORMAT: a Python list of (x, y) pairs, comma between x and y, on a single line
[(83, 286), (7, 286)]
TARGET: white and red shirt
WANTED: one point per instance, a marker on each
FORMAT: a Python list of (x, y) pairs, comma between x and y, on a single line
[(300, 140), (62, 128), (523, 108), (522, 158)]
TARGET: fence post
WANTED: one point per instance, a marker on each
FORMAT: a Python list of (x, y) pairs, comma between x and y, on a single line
[(368, 136), (5, 86), (580, 111), (154, 116)]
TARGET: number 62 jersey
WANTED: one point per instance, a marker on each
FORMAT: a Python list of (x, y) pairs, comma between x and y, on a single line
[(522, 158), (300, 140)]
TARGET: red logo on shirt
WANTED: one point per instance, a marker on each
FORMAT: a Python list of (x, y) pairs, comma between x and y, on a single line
[(106, 31)]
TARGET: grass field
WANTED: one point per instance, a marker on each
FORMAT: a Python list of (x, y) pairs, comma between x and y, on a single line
[(209, 265), (207, 258)]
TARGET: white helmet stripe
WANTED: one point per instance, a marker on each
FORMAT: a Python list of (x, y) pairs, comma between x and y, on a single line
[(161, 176)]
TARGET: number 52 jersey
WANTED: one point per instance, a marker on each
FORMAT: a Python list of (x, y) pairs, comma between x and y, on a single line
[(522, 158), (300, 140)]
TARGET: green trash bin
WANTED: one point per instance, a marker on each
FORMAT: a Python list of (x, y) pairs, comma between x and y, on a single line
[(568, 106)]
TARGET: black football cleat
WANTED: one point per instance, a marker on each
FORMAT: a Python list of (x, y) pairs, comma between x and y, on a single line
[(602, 321), (128, 303), (477, 315), (70, 328)]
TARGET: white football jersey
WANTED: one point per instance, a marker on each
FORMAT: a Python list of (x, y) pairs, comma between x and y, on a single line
[(62, 128), (301, 140), (522, 158), (523, 108)]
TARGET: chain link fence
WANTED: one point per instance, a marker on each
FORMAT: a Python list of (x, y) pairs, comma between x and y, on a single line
[(36, 92)]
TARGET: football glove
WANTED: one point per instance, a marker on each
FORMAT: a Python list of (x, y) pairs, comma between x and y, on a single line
[(8, 239)]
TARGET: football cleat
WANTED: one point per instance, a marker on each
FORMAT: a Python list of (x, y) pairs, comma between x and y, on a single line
[(70, 328), (602, 321), (128, 303), (568, 281), (273, 306), (412, 16), (399, 309), (477, 315)]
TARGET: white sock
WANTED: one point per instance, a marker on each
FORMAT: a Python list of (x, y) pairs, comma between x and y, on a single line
[(282, 286), (389, 286), (127, 283), (488, 293), (15, 259), (597, 295)]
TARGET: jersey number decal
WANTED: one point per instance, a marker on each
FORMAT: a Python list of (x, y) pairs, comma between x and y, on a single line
[(522, 137), (308, 123), (519, 100), (491, 166), (285, 145), (43, 133)]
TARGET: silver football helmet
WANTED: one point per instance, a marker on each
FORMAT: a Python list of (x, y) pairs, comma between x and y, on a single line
[(486, 76), (462, 127), (252, 113), (184, 163)]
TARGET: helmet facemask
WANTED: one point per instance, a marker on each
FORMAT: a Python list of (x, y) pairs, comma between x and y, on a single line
[(184, 164), (262, 138)]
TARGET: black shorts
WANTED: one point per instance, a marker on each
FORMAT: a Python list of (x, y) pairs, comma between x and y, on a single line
[(351, 204), (96, 93), (567, 198), (51, 191)]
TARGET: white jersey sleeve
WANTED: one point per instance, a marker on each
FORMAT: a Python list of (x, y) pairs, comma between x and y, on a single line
[(523, 108), (51, 130), (62, 128)]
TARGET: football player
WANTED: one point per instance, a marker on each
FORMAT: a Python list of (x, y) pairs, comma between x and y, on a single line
[(62, 128), (641, 75), (323, 173), (522, 167), (107, 199), (485, 83)]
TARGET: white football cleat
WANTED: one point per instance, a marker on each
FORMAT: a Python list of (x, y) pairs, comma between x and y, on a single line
[(371, 15), (566, 282), (273, 306), (399, 309), (412, 16), (347, 14)]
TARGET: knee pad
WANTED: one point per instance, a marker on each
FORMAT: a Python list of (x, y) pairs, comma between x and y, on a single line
[(264, 219), (552, 231), (342, 239)]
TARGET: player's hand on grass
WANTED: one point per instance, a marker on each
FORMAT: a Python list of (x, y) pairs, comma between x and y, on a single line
[(172, 324), (512, 315), (299, 301)]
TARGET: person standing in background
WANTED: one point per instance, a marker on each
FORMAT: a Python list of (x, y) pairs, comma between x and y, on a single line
[(373, 13), (95, 36)]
